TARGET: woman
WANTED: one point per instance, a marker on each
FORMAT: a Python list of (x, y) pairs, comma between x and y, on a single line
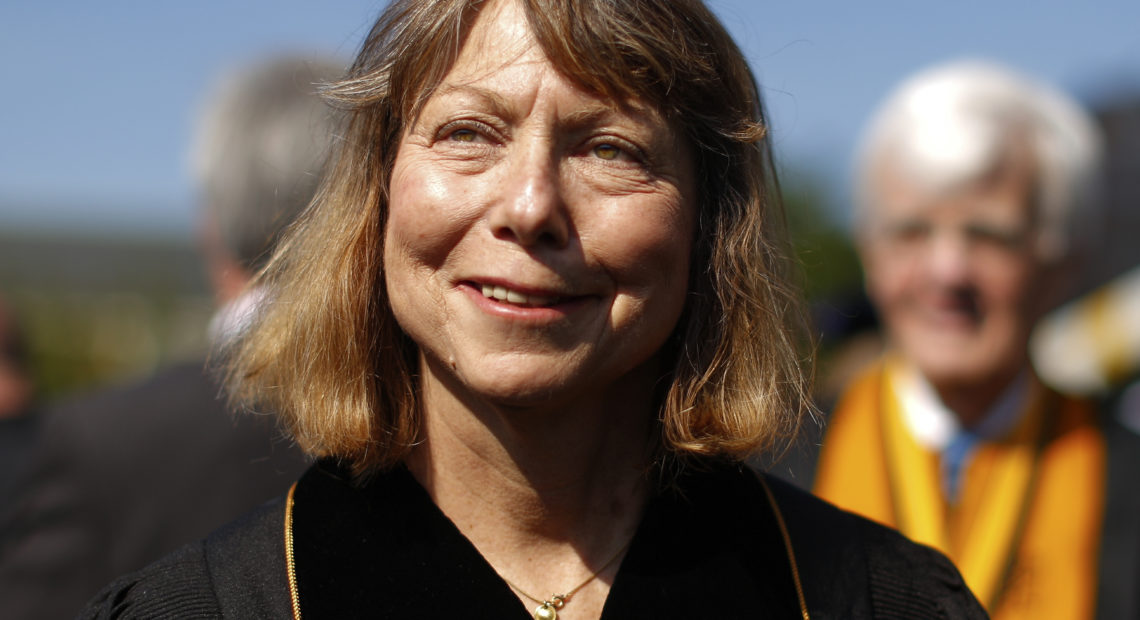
[(531, 328)]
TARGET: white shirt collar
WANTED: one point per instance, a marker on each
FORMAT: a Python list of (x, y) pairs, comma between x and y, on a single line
[(934, 426), (235, 316)]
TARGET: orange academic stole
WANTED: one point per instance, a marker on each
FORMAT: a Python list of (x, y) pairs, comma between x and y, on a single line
[(1026, 528)]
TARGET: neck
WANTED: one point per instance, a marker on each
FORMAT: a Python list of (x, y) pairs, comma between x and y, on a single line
[(971, 402), (548, 494)]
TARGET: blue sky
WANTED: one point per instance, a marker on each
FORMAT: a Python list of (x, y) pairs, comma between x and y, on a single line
[(99, 97)]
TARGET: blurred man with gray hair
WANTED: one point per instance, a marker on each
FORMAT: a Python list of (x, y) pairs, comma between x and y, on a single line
[(123, 477), (976, 194)]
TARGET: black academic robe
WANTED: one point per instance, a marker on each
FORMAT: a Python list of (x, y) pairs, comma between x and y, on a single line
[(708, 547)]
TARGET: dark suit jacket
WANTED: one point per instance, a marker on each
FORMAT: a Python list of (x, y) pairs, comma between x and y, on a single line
[(16, 437), (126, 476)]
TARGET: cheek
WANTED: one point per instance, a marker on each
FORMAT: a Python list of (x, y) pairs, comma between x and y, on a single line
[(649, 244), (648, 256), (889, 282), (1013, 289), (424, 219), (419, 238)]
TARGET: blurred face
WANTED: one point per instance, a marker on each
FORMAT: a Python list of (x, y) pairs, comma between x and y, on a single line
[(538, 238), (956, 277), (15, 390)]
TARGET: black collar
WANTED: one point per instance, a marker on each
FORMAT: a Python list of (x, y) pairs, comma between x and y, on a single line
[(709, 549)]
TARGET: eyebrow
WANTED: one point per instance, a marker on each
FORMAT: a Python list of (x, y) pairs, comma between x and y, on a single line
[(594, 114), (602, 113), (498, 103)]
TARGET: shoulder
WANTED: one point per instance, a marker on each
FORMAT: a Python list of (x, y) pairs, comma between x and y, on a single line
[(843, 558), (236, 572), (177, 586), (248, 566), (163, 405), (169, 384)]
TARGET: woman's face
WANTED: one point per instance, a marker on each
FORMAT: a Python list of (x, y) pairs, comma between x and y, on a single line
[(537, 246)]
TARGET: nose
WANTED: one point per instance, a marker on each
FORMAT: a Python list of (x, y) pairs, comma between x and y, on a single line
[(949, 258), (530, 209)]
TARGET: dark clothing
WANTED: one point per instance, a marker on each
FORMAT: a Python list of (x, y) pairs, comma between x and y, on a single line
[(124, 477), (709, 548), (1118, 586), (17, 435)]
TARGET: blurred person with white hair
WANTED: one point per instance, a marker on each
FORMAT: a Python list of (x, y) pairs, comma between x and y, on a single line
[(123, 476), (976, 193)]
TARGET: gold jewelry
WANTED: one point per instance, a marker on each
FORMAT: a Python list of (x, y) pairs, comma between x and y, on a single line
[(290, 563), (548, 608), (787, 546)]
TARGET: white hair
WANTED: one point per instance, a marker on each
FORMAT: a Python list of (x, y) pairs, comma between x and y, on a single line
[(260, 150), (953, 123)]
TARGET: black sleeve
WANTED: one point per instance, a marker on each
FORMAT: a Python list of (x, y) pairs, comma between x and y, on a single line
[(854, 568), (177, 586), (237, 572), (913, 581)]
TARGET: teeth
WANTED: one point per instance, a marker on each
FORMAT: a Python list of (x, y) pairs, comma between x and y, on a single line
[(502, 293)]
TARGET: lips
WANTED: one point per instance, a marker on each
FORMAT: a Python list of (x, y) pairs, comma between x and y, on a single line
[(504, 294)]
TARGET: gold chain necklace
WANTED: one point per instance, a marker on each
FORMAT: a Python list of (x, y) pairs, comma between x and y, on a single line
[(548, 608)]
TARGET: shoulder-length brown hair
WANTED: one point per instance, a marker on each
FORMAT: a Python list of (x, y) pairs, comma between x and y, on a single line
[(327, 353)]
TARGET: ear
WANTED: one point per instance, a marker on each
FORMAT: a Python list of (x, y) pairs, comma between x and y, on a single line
[(227, 276)]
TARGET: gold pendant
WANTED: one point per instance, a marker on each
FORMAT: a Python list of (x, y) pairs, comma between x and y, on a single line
[(545, 611)]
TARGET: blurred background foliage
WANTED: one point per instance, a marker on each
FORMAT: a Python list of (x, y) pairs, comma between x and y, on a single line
[(98, 309), (822, 245)]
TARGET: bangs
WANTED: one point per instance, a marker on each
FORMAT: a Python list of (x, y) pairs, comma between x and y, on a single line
[(626, 51), (672, 55)]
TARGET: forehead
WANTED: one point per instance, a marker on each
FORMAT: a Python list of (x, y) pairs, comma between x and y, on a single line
[(499, 59), (1003, 192), (499, 36)]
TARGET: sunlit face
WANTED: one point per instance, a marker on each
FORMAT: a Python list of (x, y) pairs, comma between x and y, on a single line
[(956, 277), (538, 239)]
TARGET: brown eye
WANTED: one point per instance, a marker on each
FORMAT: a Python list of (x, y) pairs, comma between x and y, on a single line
[(607, 152), (468, 131), (464, 135)]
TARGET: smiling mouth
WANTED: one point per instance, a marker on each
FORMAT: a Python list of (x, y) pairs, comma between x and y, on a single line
[(504, 294)]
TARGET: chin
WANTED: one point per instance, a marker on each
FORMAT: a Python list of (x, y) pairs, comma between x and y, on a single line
[(951, 376), (516, 390), (964, 369)]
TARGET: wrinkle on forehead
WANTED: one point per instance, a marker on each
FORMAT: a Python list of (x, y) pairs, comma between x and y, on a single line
[(501, 36)]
